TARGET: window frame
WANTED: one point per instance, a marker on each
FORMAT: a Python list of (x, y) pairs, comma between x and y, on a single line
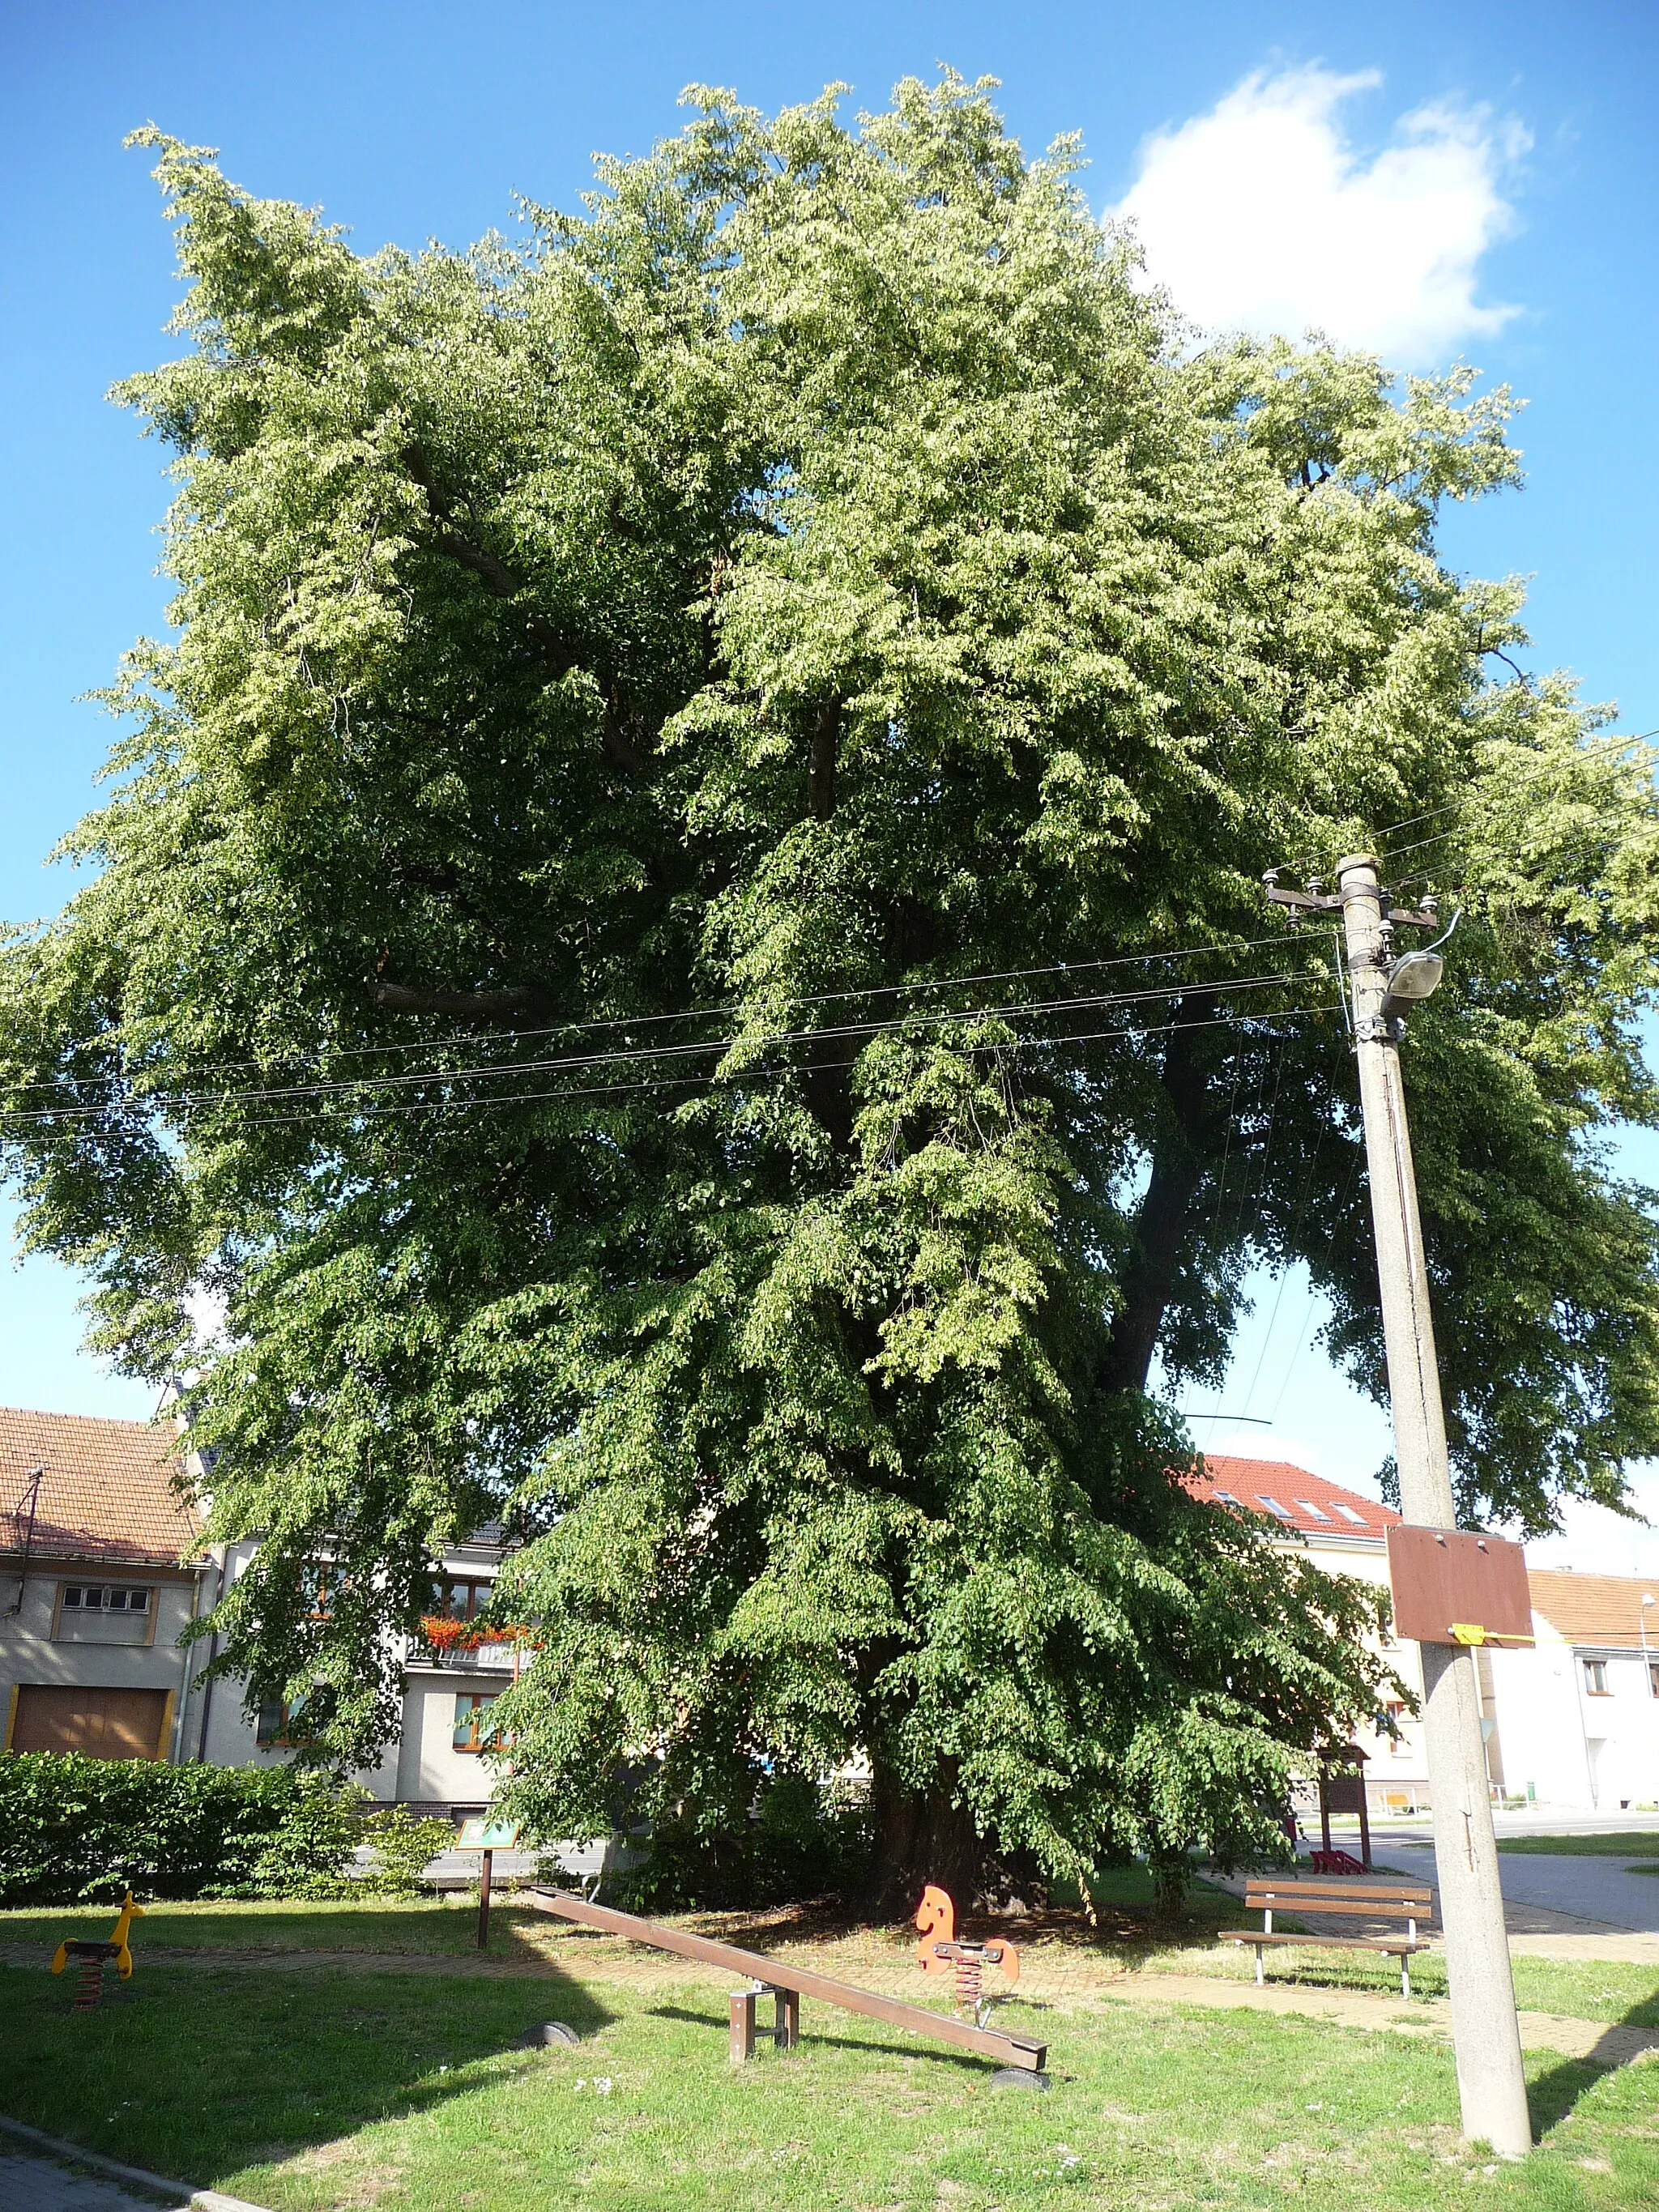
[(475, 1703), (1595, 1678), (70, 1609), (479, 1588)]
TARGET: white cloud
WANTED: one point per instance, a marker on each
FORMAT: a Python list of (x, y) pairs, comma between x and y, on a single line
[(1262, 215)]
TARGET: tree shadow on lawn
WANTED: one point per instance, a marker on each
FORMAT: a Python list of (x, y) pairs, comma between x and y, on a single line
[(962, 2062), (204, 2074)]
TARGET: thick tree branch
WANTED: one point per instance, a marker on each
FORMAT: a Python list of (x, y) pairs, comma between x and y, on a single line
[(821, 761), (1179, 1163), (828, 1087), (554, 650)]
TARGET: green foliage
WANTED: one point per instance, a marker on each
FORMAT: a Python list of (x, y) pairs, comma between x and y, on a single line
[(403, 1845), (597, 951), (75, 1830)]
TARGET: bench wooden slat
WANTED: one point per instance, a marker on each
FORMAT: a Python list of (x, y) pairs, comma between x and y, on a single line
[(1281, 1900), (1333, 1887), (1395, 1946)]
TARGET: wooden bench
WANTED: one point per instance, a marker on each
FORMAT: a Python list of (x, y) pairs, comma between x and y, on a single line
[(1371, 1899)]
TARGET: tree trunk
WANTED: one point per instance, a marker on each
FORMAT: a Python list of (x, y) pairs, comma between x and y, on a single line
[(1180, 1162), (922, 1836)]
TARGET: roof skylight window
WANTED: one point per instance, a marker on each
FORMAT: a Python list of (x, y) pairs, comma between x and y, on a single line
[(1317, 1511), (1273, 1506), (1348, 1514)]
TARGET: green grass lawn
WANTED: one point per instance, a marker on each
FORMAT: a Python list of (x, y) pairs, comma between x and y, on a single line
[(1633, 1844), (315, 2091)]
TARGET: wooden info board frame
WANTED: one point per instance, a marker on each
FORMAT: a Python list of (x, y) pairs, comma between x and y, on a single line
[(1447, 1580)]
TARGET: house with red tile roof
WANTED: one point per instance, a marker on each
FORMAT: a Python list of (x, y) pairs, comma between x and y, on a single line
[(1345, 1532), (1573, 1720), (104, 1564)]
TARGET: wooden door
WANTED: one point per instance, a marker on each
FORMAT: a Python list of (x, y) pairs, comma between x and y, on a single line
[(103, 1723)]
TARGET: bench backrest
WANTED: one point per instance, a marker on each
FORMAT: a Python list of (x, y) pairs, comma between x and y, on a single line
[(1352, 1899)]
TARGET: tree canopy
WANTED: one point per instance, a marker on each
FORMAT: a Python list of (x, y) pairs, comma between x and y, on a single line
[(677, 938)]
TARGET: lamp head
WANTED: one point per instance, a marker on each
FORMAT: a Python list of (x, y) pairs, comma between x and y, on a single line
[(1415, 976)]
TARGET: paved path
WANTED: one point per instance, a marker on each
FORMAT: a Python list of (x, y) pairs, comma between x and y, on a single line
[(38, 2184), (246, 1960), (1635, 1950)]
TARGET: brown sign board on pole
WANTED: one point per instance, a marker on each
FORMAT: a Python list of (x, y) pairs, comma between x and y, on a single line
[(1451, 1587)]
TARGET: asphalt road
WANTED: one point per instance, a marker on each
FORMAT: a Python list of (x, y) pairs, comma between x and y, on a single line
[(1597, 1890), (38, 2185)]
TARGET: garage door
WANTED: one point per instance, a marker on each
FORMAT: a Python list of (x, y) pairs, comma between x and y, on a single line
[(104, 1723)]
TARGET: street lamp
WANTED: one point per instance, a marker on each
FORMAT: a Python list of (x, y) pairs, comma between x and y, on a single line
[(1417, 974), (1642, 1623)]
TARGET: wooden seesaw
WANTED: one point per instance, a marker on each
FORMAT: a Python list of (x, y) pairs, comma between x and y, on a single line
[(787, 1984)]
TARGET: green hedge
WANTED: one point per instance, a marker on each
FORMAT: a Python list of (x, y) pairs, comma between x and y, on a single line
[(83, 1831)]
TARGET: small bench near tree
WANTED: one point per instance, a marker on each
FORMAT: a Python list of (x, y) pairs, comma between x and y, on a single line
[(1411, 1902)]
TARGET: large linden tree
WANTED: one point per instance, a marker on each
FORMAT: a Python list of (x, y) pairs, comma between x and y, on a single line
[(676, 941)]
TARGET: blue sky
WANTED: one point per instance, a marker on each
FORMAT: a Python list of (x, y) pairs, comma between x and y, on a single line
[(1434, 181)]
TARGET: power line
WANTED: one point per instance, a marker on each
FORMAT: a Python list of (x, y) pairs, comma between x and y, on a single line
[(1586, 753), (643, 1085), (495, 1071), (578, 1026)]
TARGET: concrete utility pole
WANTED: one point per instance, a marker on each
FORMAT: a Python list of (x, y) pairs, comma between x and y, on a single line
[(1485, 2033)]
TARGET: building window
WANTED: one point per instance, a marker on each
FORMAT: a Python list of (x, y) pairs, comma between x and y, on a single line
[(1395, 1715), (287, 1723), (1595, 1678), (1349, 1514), (1282, 1512), (1653, 1678), (1314, 1512), (317, 1584), (472, 1731), (462, 1600), (103, 1597), (278, 1726)]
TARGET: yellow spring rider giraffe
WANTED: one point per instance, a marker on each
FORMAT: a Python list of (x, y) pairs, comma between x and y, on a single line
[(94, 1955)]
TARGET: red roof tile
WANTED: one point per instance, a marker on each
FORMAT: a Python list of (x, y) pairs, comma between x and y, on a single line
[(1290, 1495), (107, 1491), (1597, 1609)]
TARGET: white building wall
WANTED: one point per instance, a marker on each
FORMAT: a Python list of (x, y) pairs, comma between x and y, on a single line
[(1564, 1744)]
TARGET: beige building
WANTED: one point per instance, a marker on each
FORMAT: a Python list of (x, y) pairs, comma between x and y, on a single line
[(103, 1566)]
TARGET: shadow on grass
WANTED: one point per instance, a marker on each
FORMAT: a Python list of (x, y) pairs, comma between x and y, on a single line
[(966, 2062), (204, 2074), (1552, 2097)]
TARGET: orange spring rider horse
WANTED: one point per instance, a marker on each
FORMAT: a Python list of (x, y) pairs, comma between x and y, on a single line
[(939, 1953)]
